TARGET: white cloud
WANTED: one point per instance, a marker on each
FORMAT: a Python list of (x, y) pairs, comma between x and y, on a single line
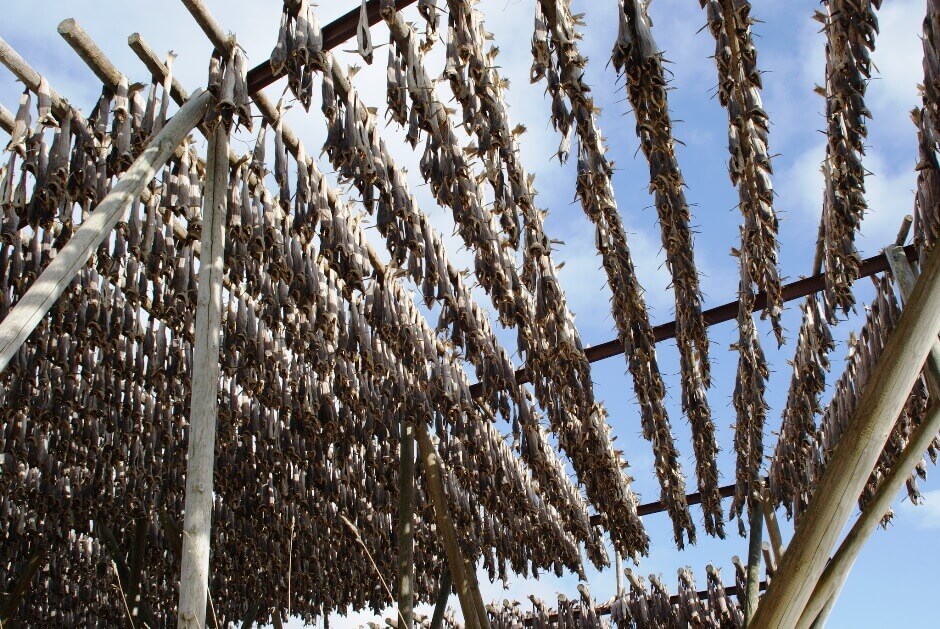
[(927, 515)]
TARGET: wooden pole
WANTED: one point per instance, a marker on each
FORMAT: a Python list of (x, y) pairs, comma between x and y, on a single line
[(7, 119), (755, 535), (33, 306), (406, 509), (197, 524), (837, 571), (9, 603), (431, 464), (618, 570), (773, 526), (856, 454), (443, 594)]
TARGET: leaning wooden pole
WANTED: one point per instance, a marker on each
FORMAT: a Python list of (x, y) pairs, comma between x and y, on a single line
[(431, 464), (197, 524), (406, 510), (443, 594), (837, 571), (854, 458), (30, 310)]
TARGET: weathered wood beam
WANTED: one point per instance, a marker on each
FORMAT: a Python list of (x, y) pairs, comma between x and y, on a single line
[(334, 34), (837, 571), (406, 511), (6, 119), (856, 454), (443, 594), (197, 524), (431, 464), (33, 306)]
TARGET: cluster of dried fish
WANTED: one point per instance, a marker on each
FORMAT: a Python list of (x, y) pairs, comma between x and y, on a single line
[(797, 479), (639, 607), (927, 119), (358, 153), (417, 247), (638, 58), (296, 337), (654, 607), (558, 61), (739, 88), (850, 28), (797, 440), (748, 398)]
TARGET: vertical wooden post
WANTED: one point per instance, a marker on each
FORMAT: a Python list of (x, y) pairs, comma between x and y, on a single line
[(406, 509), (618, 569), (443, 594), (431, 464), (197, 524), (773, 526), (837, 571), (33, 306), (856, 454), (755, 535)]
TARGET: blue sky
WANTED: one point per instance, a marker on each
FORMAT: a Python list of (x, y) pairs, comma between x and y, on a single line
[(791, 55)]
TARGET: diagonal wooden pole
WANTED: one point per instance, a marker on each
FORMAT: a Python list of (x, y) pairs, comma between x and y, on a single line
[(837, 571), (33, 306), (197, 523), (856, 454), (431, 464)]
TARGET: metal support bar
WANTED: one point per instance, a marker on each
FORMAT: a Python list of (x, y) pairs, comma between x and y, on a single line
[(855, 456)]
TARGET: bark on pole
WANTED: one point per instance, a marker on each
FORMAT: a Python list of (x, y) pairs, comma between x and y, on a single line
[(856, 454), (431, 464), (197, 523), (837, 571), (406, 509), (30, 310)]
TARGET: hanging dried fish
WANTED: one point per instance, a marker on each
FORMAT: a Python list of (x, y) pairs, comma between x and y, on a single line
[(639, 59), (850, 37), (739, 87)]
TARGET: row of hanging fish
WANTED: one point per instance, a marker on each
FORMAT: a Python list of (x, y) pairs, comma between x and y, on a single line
[(739, 91), (244, 315), (637, 57), (793, 485), (797, 439), (558, 62), (748, 398), (640, 606), (585, 439), (851, 28), (927, 119), (358, 153)]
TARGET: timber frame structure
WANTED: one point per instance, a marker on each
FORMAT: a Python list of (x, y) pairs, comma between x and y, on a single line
[(206, 365)]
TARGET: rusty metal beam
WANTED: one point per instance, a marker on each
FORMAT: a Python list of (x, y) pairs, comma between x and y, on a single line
[(334, 34)]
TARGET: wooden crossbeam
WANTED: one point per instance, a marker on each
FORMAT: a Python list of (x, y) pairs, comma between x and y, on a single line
[(334, 34)]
